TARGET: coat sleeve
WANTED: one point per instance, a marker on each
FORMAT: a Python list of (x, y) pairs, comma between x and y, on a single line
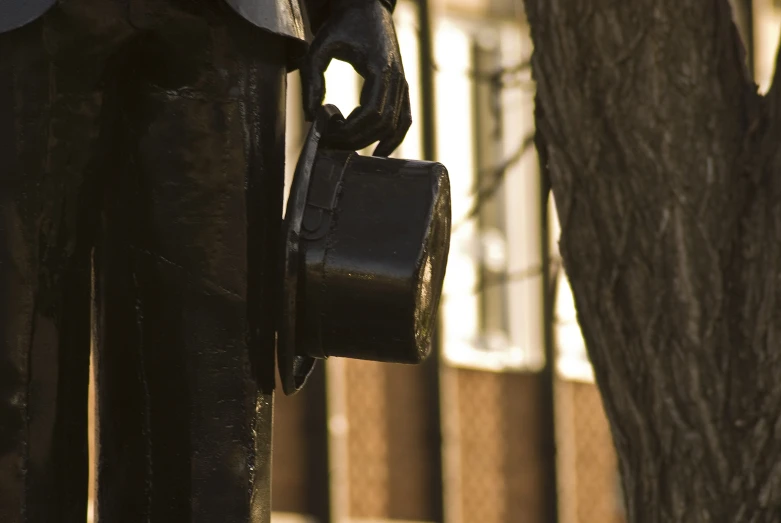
[(318, 11)]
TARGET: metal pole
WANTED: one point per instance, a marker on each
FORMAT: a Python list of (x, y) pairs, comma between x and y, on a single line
[(427, 100), (429, 150)]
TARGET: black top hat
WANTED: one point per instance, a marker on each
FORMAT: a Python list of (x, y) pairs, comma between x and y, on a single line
[(366, 241)]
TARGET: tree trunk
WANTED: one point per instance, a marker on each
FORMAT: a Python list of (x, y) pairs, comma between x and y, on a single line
[(665, 168)]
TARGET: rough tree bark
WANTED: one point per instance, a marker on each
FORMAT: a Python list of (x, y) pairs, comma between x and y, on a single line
[(665, 165)]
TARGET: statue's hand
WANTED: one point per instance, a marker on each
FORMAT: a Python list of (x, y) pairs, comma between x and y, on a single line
[(361, 33)]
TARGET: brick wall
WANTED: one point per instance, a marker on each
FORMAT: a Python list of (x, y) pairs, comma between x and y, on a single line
[(588, 475)]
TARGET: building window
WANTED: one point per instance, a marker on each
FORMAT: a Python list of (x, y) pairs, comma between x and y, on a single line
[(492, 300)]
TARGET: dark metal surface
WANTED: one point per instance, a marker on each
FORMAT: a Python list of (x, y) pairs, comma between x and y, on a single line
[(16, 13), (295, 368), (377, 268), (282, 17), (366, 245), (159, 148)]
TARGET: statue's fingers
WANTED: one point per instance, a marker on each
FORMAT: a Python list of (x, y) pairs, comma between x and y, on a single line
[(402, 126), (313, 76), (374, 118)]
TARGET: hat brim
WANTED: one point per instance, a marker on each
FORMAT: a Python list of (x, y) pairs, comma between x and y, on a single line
[(294, 369)]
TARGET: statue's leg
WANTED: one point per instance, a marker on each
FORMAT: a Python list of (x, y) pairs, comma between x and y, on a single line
[(50, 169), (186, 272)]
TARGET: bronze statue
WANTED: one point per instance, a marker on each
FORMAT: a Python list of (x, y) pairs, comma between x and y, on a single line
[(141, 174)]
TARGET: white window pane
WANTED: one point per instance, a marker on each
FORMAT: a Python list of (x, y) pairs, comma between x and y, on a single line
[(460, 304), (522, 205)]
